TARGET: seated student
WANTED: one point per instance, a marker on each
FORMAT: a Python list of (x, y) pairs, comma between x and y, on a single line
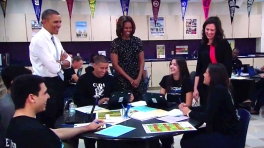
[(71, 77), (220, 114), (7, 107), (97, 82), (235, 61), (30, 96), (90, 65), (178, 87)]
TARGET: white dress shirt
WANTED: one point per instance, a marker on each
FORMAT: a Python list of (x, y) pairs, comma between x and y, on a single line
[(43, 54)]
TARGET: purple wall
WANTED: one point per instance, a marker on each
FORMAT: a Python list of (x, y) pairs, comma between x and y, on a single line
[(19, 50)]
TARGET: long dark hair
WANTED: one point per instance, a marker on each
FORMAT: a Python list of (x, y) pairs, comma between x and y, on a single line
[(219, 76), (184, 72), (219, 32)]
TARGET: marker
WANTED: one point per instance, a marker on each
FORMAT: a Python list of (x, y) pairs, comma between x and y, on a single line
[(180, 100)]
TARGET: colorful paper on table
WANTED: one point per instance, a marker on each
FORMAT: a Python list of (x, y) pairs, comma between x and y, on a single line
[(110, 116), (115, 131), (139, 103), (167, 127), (143, 108), (171, 119)]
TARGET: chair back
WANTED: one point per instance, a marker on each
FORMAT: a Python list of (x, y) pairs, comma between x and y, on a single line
[(112, 70), (147, 83), (67, 102), (243, 126)]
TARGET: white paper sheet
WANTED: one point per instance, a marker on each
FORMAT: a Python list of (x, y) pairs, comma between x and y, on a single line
[(87, 109), (171, 119), (139, 103)]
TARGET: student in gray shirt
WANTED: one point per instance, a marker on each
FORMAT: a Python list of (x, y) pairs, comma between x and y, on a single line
[(7, 107)]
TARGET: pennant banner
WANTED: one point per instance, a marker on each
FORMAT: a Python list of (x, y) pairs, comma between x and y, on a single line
[(37, 7), (184, 4), (70, 4), (206, 7), (249, 6), (3, 6), (232, 7), (92, 4), (125, 6), (155, 9)]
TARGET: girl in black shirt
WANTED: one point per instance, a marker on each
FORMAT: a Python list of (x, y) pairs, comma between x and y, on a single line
[(220, 115), (214, 49), (178, 87)]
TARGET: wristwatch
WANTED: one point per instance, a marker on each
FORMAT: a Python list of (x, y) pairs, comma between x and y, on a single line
[(61, 62)]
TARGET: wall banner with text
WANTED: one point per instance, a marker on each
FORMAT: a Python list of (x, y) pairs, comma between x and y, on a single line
[(3, 6), (92, 4), (232, 7), (125, 6), (184, 4), (249, 6), (70, 5), (206, 7), (155, 9)]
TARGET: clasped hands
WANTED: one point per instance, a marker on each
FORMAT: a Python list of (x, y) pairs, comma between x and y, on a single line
[(63, 57), (184, 108), (135, 83)]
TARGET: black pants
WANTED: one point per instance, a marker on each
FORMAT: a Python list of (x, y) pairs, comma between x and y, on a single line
[(54, 107), (201, 139), (167, 141)]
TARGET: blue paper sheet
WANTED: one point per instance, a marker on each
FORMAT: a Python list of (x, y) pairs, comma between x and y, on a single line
[(143, 108), (115, 131)]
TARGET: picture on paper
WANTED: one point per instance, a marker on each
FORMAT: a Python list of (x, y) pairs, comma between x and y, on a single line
[(158, 29), (35, 26), (107, 115), (168, 127), (191, 26), (160, 51), (81, 29), (181, 49)]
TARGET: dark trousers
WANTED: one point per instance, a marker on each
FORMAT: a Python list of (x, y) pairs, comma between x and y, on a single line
[(203, 93), (201, 139), (54, 106), (167, 141)]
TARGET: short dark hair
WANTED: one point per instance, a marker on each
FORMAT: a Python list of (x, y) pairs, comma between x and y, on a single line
[(9, 73), (47, 13), (120, 25), (92, 57), (219, 32), (23, 86), (69, 52), (100, 59), (77, 59), (236, 49)]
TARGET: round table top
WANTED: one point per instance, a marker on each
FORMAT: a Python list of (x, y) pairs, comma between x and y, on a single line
[(137, 134)]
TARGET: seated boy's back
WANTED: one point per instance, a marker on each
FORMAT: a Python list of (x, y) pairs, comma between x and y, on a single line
[(28, 132)]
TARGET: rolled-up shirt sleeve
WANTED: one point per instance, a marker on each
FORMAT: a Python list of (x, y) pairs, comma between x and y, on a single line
[(40, 49)]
